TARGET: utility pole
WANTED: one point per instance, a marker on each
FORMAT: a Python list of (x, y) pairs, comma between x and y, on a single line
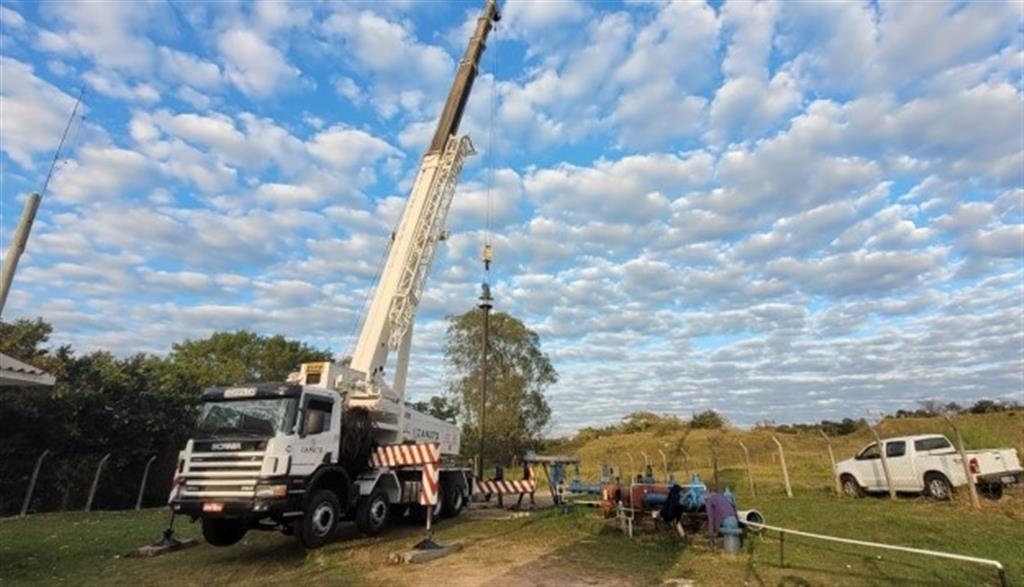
[(485, 305)]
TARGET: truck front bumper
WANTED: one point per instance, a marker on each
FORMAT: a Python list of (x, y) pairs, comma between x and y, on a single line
[(234, 508)]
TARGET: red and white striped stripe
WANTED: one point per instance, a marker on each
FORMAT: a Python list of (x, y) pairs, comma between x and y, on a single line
[(428, 488), (427, 455), (522, 486), (400, 455)]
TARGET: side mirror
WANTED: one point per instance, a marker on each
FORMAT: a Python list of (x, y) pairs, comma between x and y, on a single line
[(302, 422)]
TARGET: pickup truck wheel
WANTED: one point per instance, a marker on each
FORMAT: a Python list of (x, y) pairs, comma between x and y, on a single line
[(372, 512), (938, 487), (851, 487), (222, 532), (319, 519)]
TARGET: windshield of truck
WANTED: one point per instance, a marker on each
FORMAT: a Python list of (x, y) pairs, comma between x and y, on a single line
[(256, 417)]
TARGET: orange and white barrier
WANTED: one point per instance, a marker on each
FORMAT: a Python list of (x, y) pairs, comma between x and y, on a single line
[(426, 455), (528, 485)]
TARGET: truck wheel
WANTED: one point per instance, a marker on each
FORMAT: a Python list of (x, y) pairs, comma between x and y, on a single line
[(938, 487), (223, 532), (372, 512), (319, 519), (851, 487), (453, 500), (418, 513)]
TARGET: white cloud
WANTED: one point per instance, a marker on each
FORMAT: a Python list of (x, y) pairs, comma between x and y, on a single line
[(189, 69), (101, 173), (33, 113), (110, 84), (254, 66), (110, 37)]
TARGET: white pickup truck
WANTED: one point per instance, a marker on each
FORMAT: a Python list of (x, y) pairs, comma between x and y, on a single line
[(927, 464)]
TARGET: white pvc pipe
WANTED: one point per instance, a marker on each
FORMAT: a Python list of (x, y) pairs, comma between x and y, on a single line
[(960, 557)]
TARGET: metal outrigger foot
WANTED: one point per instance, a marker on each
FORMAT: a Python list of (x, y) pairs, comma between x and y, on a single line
[(168, 543)]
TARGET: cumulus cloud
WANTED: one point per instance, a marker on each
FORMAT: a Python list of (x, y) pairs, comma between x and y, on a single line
[(254, 66), (773, 209)]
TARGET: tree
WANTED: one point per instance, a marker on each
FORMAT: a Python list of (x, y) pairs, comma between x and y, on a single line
[(708, 419), (440, 407), (236, 357), (518, 373)]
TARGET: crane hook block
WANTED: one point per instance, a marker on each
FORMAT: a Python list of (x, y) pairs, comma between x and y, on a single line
[(487, 255)]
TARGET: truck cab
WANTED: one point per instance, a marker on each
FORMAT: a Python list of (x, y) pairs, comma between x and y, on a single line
[(254, 451)]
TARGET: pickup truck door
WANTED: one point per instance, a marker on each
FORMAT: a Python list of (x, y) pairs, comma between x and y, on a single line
[(901, 465), (868, 467), (316, 443)]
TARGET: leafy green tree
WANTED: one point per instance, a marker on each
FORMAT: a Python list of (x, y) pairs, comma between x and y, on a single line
[(441, 407), (225, 358), (518, 374)]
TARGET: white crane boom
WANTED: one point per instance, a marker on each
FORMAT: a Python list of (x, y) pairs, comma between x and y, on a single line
[(388, 323)]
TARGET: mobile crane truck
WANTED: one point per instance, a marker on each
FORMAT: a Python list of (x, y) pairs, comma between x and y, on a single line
[(295, 456)]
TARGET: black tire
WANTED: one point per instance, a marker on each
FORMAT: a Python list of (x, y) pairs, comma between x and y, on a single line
[(453, 500), (373, 512), (850, 486), (223, 532), (319, 519), (938, 487)]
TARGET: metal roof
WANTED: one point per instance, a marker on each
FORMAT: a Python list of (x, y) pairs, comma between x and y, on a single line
[(14, 373)]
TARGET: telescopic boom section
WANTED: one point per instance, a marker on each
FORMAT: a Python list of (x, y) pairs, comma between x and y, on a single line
[(451, 116), (388, 322)]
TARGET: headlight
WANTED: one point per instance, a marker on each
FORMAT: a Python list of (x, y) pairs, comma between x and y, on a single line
[(271, 490)]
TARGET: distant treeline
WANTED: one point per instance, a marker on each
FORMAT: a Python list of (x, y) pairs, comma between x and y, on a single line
[(663, 424), (134, 408)]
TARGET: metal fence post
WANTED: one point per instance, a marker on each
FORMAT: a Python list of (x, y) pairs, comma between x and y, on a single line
[(96, 482), (32, 483), (142, 485)]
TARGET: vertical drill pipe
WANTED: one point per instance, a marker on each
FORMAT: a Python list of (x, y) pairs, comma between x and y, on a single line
[(32, 483), (485, 305), (142, 485), (96, 482)]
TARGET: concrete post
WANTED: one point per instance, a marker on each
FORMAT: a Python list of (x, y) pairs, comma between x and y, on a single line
[(32, 483), (96, 482), (17, 247), (782, 462), (750, 473), (885, 461), (967, 466), (832, 459), (142, 485)]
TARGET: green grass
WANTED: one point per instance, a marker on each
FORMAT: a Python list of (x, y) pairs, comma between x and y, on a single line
[(80, 548)]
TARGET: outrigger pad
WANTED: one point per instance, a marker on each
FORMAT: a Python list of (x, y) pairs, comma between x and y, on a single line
[(163, 547), (425, 550)]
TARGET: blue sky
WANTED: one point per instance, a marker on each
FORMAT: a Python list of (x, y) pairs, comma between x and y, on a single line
[(785, 211)]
